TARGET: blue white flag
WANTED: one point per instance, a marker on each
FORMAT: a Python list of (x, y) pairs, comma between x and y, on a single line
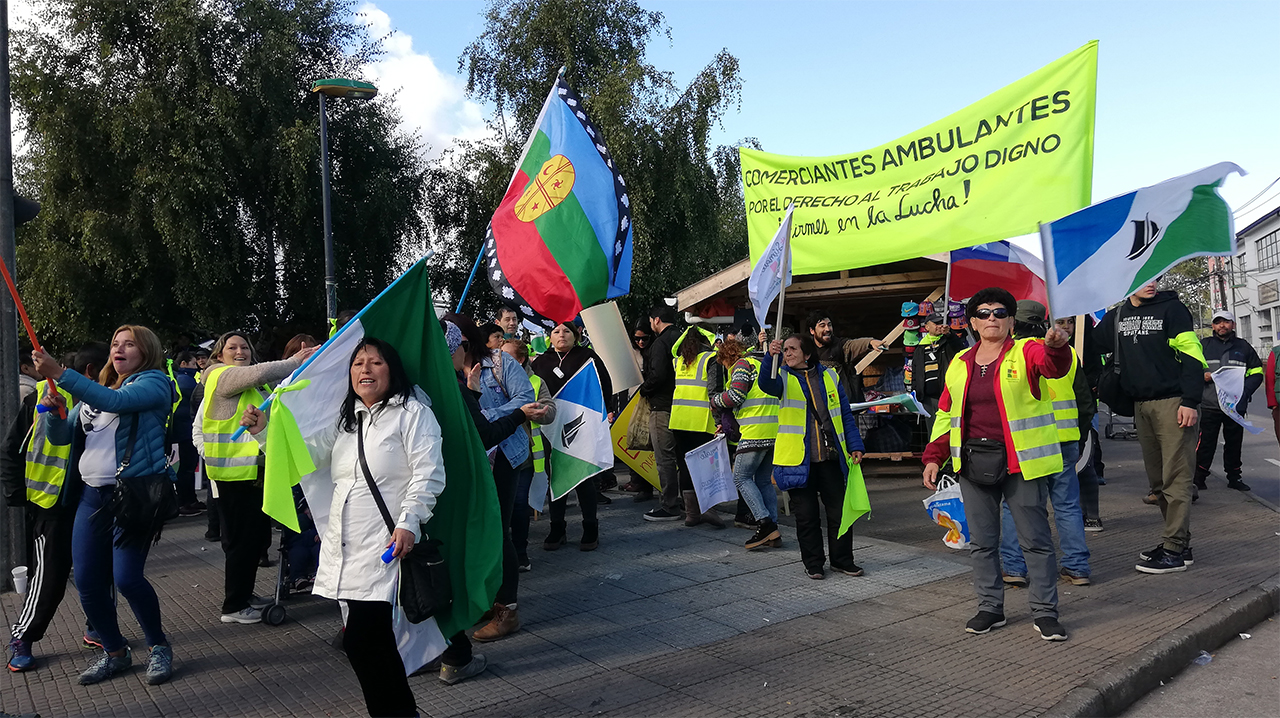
[(579, 437), (766, 279), (1102, 254)]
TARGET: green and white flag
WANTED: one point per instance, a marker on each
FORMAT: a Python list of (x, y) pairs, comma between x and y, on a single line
[(466, 519), (1105, 252), (579, 437)]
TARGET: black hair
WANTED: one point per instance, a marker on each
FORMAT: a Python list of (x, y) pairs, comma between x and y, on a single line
[(24, 355), (91, 354), (991, 295), (399, 384), (811, 320), (184, 357), (807, 346), (504, 309), (664, 313), (489, 329), (1028, 330), (577, 331), (343, 317)]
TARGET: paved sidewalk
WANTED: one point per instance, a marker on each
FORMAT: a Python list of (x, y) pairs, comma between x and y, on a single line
[(664, 620)]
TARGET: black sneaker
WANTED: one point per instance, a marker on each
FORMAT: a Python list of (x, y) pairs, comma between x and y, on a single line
[(1238, 485), (816, 575), (1152, 553), (1050, 629), (1093, 525), (851, 570), (1164, 562), (661, 514), (984, 622), (1187, 558)]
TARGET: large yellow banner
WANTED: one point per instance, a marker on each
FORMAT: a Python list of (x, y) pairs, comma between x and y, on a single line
[(1020, 156), (643, 464)]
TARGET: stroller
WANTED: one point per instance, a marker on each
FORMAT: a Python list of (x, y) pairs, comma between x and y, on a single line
[(1118, 427), (276, 613)]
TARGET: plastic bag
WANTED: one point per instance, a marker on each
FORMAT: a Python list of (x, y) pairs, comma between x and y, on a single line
[(946, 508), (638, 429)]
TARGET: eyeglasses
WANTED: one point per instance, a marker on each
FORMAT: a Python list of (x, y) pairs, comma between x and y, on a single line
[(637, 340), (998, 312)]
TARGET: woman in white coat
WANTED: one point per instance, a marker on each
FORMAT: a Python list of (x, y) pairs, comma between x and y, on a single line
[(402, 447)]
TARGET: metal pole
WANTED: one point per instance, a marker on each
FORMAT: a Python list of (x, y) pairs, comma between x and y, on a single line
[(330, 284), (13, 541), (470, 279)]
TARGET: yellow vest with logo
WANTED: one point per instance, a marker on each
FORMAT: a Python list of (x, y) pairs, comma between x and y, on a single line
[(758, 415), (1063, 393), (690, 405), (793, 413), (47, 463), (225, 460), (539, 446), (1030, 421)]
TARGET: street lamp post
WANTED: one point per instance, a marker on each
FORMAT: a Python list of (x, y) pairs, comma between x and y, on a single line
[(333, 87)]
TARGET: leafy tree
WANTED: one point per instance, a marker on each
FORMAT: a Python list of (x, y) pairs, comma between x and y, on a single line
[(686, 201), (174, 147)]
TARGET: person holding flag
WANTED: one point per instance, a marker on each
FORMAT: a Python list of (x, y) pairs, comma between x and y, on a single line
[(691, 421), (1224, 348), (817, 440), (554, 369)]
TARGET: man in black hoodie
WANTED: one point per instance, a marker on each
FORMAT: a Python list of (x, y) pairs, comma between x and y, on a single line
[(1224, 348), (1162, 370), (658, 387)]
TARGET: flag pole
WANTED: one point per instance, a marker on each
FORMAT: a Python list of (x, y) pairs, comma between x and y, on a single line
[(782, 295), (470, 279), (26, 322)]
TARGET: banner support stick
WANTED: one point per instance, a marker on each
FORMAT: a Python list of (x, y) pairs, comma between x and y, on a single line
[(470, 279), (782, 298)]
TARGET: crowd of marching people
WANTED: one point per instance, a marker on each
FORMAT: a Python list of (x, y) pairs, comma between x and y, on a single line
[(104, 460)]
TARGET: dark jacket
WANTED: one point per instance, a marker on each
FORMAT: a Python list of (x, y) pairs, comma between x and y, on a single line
[(929, 365), (1232, 351), (843, 355), (493, 432), (659, 370), (1150, 367), (13, 458), (183, 416), (852, 439), (546, 363)]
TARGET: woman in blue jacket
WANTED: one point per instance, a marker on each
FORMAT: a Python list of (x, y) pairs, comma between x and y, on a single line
[(135, 395), (816, 442)]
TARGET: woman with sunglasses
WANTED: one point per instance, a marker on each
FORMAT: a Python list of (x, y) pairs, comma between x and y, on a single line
[(641, 338), (998, 428)]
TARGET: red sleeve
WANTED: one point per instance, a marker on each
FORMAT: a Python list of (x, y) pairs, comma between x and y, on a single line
[(1045, 361)]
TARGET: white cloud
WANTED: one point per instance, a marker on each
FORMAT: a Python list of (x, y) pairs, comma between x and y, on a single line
[(430, 101)]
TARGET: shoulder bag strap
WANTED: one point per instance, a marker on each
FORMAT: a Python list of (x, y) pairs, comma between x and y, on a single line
[(1115, 344), (368, 478), (128, 449)]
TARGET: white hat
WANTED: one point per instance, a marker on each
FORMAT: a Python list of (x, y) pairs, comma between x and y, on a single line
[(1224, 314)]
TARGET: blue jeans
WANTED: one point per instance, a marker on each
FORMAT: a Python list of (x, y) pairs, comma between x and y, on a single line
[(752, 474), (1064, 494), (98, 562)]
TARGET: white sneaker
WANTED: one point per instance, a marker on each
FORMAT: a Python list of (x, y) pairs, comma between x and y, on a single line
[(244, 615), (260, 602)]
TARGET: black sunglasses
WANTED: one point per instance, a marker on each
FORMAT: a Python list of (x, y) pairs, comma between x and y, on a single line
[(637, 340), (999, 312)]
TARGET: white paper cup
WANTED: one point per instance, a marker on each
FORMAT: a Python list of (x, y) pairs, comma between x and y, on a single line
[(20, 579)]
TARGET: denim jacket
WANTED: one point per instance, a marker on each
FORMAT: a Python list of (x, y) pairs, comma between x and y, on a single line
[(500, 398)]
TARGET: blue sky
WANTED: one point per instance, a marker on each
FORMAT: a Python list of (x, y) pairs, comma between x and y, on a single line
[(1181, 85)]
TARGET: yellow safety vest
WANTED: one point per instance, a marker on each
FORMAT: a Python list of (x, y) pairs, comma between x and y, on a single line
[(1030, 421), (539, 446), (1063, 393), (793, 415), (758, 415), (47, 462), (690, 405), (225, 460)]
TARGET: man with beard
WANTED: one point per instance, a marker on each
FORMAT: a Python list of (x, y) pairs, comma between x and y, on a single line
[(1224, 348), (840, 354)]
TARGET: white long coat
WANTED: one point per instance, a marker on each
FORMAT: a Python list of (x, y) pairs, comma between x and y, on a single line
[(402, 446)]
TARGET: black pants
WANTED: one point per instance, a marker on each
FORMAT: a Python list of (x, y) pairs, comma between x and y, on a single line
[(185, 484), (588, 493), (687, 441), (370, 643), (243, 528), (504, 479), (49, 568), (825, 482), (1211, 420)]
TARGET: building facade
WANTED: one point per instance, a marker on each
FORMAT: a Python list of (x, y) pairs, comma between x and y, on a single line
[(1248, 284)]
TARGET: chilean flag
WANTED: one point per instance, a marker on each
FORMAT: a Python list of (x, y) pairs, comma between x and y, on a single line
[(997, 264)]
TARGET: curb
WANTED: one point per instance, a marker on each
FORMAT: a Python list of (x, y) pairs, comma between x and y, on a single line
[(1110, 691)]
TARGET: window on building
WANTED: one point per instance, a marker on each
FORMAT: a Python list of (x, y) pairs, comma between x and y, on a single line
[(1269, 251), (1245, 332), (1264, 323)]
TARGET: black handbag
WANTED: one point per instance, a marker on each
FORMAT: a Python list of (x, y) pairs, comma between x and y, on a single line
[(1109, 390), (140, 505), (425, 587), (985, 462)]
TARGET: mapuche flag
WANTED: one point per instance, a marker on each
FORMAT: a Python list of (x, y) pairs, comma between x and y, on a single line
[(560, 240), (466, 518), (1104, 253)]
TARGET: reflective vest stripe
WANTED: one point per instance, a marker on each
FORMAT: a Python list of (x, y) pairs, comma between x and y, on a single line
[(757, 420), (46, 462), (57, 462), (535, 433), (224, 459), (1034, 422), (793, 419), (1063, 393)]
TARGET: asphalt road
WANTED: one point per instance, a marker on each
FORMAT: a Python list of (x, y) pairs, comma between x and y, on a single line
[(1242, 681)]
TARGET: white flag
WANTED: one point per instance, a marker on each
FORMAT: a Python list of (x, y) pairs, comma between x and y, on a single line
[(1229, 381), (766, 276), (711, 473)]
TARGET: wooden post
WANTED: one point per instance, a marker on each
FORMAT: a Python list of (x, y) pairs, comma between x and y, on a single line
[(782, 298)]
